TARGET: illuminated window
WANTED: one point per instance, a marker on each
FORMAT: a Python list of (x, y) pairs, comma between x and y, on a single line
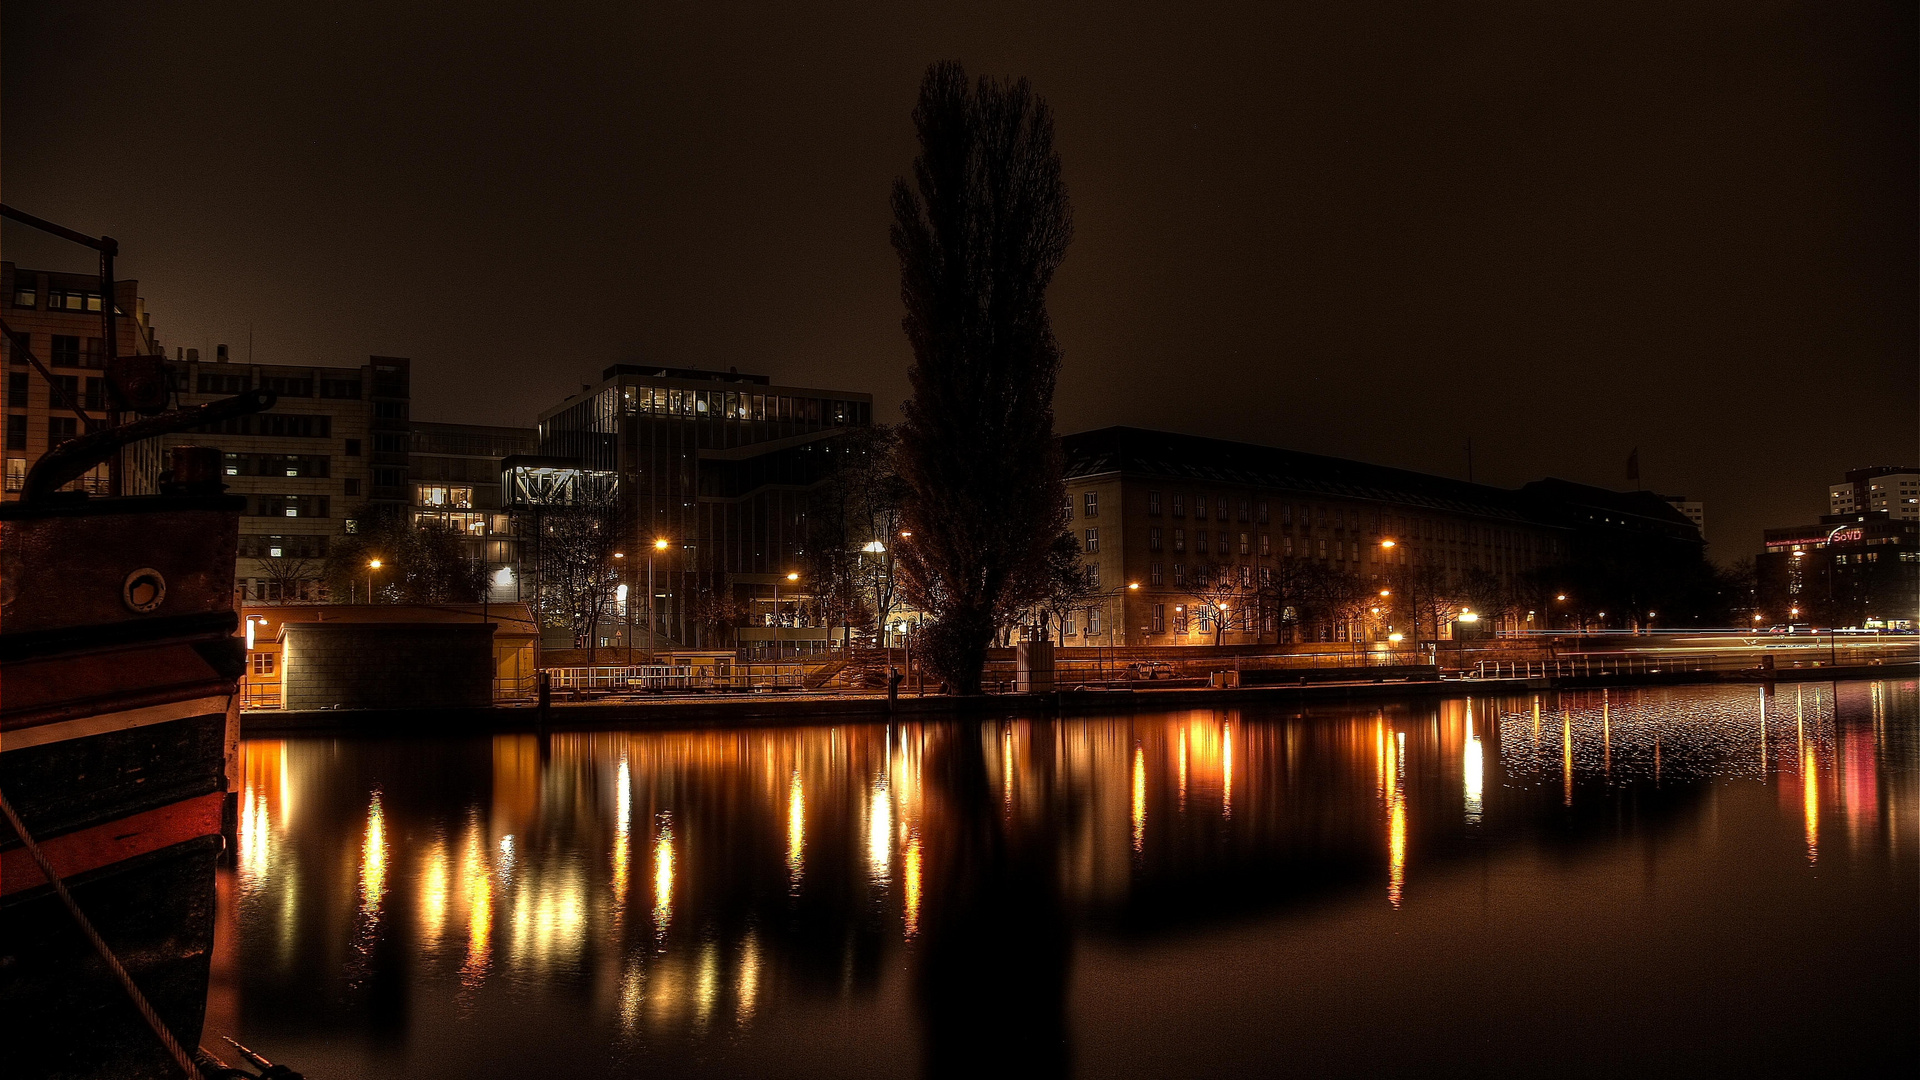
[(262, 664), (1159, 623)]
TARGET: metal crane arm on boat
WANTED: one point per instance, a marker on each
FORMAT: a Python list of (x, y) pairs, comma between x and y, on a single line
[(76, 457)]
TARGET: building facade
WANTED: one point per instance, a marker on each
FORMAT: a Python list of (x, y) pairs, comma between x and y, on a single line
[(334, 447), (1191, 541), (719, 465), (59, 316), (454, 470), (1891, 488), (1858, 569)]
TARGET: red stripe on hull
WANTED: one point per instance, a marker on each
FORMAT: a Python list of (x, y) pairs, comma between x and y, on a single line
[(114, 841)]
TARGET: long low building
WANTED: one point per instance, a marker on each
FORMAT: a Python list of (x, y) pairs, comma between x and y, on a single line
[(1195, 541)]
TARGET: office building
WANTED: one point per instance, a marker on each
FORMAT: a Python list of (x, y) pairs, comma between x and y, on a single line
[(333, 448), (1165, 519), (1882, 487), (59, 318), (455, 474), (1858, 569), (721, 465), (1691, 509)]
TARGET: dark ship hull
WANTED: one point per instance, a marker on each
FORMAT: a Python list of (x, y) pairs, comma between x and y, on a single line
[(119, 663)]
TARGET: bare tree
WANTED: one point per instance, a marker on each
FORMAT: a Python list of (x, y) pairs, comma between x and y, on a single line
[(576, 578), (289, 576), (1217, 596), (979, 232)]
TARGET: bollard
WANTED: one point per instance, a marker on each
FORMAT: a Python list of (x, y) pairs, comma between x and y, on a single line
[(546, 698)]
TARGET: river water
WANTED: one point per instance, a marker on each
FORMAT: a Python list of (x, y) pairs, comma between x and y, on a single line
[(1698, 880)]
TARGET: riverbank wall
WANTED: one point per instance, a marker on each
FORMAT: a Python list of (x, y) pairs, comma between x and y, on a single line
[(761, 709)]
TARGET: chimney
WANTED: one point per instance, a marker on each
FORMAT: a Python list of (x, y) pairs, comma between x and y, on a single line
[(179, 353), (193, 356), (219, 354)]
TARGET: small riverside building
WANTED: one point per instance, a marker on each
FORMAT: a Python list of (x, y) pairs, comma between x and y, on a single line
[(357, 656)]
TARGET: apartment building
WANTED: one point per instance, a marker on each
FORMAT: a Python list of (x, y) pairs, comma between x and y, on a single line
[(1892, 488), (455, 475), (59, 318), (719, 464), (1166, 520), (334, 447)]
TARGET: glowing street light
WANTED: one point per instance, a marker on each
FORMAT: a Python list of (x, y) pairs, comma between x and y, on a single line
[(373, 565)]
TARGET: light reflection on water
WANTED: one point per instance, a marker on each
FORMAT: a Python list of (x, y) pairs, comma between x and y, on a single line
[(791, 867)]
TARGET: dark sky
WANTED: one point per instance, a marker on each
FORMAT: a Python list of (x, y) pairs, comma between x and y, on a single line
[(1356, 229)]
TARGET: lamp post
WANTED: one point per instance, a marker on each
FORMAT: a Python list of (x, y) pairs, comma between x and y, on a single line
[(626, 603), (659, 545), (778, 650), (373, 566)]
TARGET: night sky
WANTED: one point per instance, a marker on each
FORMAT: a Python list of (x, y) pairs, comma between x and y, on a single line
[(1366, 230)]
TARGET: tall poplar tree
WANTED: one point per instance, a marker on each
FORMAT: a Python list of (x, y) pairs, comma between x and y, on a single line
[(980, 231)]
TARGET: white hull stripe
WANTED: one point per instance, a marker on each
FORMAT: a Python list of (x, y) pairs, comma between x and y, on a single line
[(80, 728)]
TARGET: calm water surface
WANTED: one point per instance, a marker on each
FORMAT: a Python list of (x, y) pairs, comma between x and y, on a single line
[(1653, 882)]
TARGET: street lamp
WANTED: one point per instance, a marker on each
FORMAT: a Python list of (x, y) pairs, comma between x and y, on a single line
[(625, 596), (659, 545), (778, 650), (372, 566)]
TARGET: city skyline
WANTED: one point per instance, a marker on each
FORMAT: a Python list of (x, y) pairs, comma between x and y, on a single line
[(1309, 231)]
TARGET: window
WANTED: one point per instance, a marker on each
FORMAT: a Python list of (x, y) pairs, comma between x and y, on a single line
[(222, 383), (353, 448), (436, 495), (386, 476), (1199, 508), (16, 433), (60, 429), (287, 385), (16, 472), (1093, 541), (1179, 539), (1266, 578), (262, 664), (1093, 575), (353, 486), (1289, 541), (96, 395), (1179, 505), (1153, 504), (1093, 620), (1068, 625), (1221, 506), (1246, 576), (1286, 513), (17, 384), (1199, 541), (1179, 619), (1153, 538), (1154, 574), (1159, 620), (1246, 545), (1260, 511), (1244, 507), (1179, 573), (390, 410), (1093, 503), (389, 442), (65, 351), (340, 388), (1323, 549), (25, 293), (18, 348), (1266, 544)]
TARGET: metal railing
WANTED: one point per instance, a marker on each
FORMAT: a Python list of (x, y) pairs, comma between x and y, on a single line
[(1780, 657), (662, 678)]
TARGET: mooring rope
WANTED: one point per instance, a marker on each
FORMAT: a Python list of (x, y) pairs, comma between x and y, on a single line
[(113, 963)]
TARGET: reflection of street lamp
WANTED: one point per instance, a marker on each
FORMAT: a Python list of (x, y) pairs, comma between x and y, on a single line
[(372, 566)]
